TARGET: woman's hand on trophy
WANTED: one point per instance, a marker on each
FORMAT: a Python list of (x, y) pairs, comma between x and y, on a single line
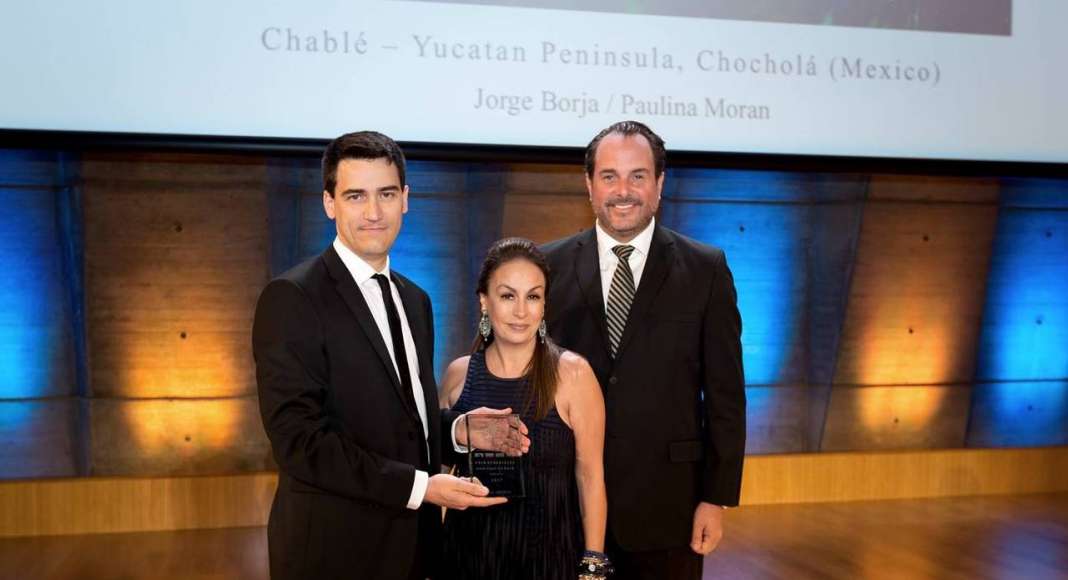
[(493, 430)]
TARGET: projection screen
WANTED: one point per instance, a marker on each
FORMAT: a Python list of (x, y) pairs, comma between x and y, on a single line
[(941, 79)]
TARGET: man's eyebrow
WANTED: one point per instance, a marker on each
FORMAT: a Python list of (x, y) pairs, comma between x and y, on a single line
[(380, 189)]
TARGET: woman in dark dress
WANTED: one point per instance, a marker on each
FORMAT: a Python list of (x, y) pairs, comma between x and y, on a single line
[(558, 528)]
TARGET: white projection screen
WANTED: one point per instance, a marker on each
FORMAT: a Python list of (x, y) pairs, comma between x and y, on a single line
[(938, 79)]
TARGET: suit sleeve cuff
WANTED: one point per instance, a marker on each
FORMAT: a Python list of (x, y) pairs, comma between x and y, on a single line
[(418, 490), (456, 446)]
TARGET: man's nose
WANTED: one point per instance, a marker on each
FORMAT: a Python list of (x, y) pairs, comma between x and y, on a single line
[(373, 210)]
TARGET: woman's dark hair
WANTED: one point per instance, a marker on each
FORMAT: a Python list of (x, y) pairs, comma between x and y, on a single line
[(541, 372)]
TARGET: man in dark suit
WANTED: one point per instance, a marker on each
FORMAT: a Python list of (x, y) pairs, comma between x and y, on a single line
[(655, 313), (343, 349)]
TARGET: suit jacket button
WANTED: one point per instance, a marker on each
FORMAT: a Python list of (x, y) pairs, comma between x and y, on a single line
[(612, 380)]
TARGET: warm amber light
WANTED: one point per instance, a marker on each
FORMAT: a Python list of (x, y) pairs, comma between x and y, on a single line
[(913, 408), (183, 428), (917, 296), (191, 342), (892, 355), (201, 365)]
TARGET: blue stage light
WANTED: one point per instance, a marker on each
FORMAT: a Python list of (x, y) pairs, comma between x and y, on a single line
[(1023, 356), (1025, 322), (765, 248), (35, 327), (1019, 414)]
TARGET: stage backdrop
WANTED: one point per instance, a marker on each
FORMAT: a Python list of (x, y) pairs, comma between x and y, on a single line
[(880, 312)]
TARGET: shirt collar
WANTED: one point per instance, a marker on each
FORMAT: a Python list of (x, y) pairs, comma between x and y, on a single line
[(360, 270), (641, 242)]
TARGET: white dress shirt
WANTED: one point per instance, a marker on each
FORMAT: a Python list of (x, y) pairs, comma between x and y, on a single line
[(609, 260), (363, 273)]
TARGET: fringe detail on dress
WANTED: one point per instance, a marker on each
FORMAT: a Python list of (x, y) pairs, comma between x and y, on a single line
[(535, 538)]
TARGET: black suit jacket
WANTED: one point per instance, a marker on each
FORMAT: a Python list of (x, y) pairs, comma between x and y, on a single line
[(674, 395), (344, 433)]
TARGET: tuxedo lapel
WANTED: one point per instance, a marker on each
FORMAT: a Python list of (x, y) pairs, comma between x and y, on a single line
[(657, 265), (353, 298), (588, 272)]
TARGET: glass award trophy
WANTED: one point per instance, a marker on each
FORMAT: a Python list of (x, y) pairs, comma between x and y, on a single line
[(499, 466)]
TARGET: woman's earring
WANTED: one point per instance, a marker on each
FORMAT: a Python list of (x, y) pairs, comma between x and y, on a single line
[(484, 327), (542, 331)]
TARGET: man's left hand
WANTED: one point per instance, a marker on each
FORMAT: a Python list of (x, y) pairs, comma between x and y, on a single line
[(707, 528)]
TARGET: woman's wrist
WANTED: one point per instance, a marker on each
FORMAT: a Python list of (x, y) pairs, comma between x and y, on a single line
[(594, 565)]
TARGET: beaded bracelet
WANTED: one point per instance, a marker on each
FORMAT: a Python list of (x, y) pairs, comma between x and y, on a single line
[(594, 565)]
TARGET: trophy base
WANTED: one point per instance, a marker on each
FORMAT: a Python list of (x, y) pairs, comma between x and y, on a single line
[(502, 474)]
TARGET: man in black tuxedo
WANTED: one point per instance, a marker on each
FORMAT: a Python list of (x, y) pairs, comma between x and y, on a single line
[(655, 313), (344, 349)]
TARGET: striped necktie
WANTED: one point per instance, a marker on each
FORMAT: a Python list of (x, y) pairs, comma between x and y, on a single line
[(620, 296)]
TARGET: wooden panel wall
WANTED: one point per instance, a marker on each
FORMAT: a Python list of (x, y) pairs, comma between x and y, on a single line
[(176, 252), (790, 242), (909, 336), (545, 202), (857, 476), (42, 438), (41, 420), (1021, 397), (175, 256), (880, 312), (108, 505), (918, 282)]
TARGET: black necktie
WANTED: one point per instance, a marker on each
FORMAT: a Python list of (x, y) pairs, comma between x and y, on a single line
[(397, 335)]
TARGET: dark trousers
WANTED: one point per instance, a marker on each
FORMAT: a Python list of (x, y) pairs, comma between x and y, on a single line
[(428, 543), (417, 572), (673, 564)]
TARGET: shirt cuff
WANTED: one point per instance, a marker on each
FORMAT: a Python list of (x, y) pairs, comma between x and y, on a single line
[(418, 490), (456, 446)]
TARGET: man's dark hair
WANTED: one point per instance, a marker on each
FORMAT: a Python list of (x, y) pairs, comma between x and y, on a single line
[(627, 128), (360, 145)]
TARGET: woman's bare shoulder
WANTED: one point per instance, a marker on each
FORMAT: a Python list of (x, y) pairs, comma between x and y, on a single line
[(453, 380), (573, 369)]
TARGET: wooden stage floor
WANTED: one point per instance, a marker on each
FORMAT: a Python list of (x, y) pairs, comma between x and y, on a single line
[(1015, 537)]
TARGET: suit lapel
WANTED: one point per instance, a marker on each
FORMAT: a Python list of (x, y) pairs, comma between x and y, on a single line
[(588, 272), (353, 298), (657, 265)]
